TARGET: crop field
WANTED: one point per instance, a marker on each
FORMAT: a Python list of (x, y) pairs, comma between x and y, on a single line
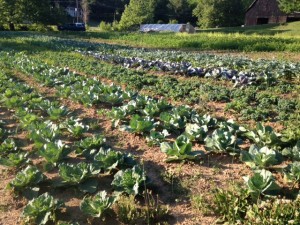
[(97, 133)]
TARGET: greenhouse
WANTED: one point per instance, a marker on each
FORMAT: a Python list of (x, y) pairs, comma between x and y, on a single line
[(167, 27)]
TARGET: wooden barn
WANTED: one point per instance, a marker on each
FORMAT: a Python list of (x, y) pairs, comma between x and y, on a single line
[(268, 12)]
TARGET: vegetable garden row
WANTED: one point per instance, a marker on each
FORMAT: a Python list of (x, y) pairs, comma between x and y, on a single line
[(177, 130)]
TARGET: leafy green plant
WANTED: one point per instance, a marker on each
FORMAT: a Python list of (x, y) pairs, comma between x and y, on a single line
[(156, 137), (75, 127), (117, 115), (230, 205), (56, 113), (222, 141), (89, 146), (8, 146), (16, 159), (292, 173), (274, 211), (259, 157), (41, 210), (96, 206), (139, 124), (261, 183), (42, 133), (172, 121), (180, 150), (28, 119), (26, 181), (292, 152), (195, 132), (129, 181), (81, 175), (54, 152), (109, 159), (264, 136)]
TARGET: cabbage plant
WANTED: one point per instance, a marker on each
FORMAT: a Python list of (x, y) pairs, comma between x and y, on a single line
[(261, 183), (259, 157), (129, 181), (181, 149), (82, 175), (222, 141), (41, 210), (54, 152), (26, 181), (96, 206), (292, 173)]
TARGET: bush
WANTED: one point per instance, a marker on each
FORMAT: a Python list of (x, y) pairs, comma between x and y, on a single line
[(173, 21), (105, 26)]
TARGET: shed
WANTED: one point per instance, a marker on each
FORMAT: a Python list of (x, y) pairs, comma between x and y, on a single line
[(167, 27), (268, 12)]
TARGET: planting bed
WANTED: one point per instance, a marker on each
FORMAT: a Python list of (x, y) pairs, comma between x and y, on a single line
[(108, 134)]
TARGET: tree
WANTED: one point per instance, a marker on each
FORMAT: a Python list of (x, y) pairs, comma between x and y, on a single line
[(85, 5), (223, 13), (11, 12), (137, 12), (28, 11), (289, 6), (181, 10)]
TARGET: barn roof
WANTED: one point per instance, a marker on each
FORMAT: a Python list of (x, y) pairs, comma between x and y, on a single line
[(253, 3)]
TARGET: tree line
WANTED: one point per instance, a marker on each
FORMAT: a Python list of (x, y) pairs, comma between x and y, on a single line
[(128, 13)]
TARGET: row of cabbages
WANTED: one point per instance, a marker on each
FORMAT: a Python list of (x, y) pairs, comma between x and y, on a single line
[(239, 78)]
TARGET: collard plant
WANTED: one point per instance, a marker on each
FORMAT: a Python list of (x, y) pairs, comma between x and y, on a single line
[(195, 132), (75, 127), (97, 206), (41, 210), (259, 158), (181, 149), (129, 181)]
